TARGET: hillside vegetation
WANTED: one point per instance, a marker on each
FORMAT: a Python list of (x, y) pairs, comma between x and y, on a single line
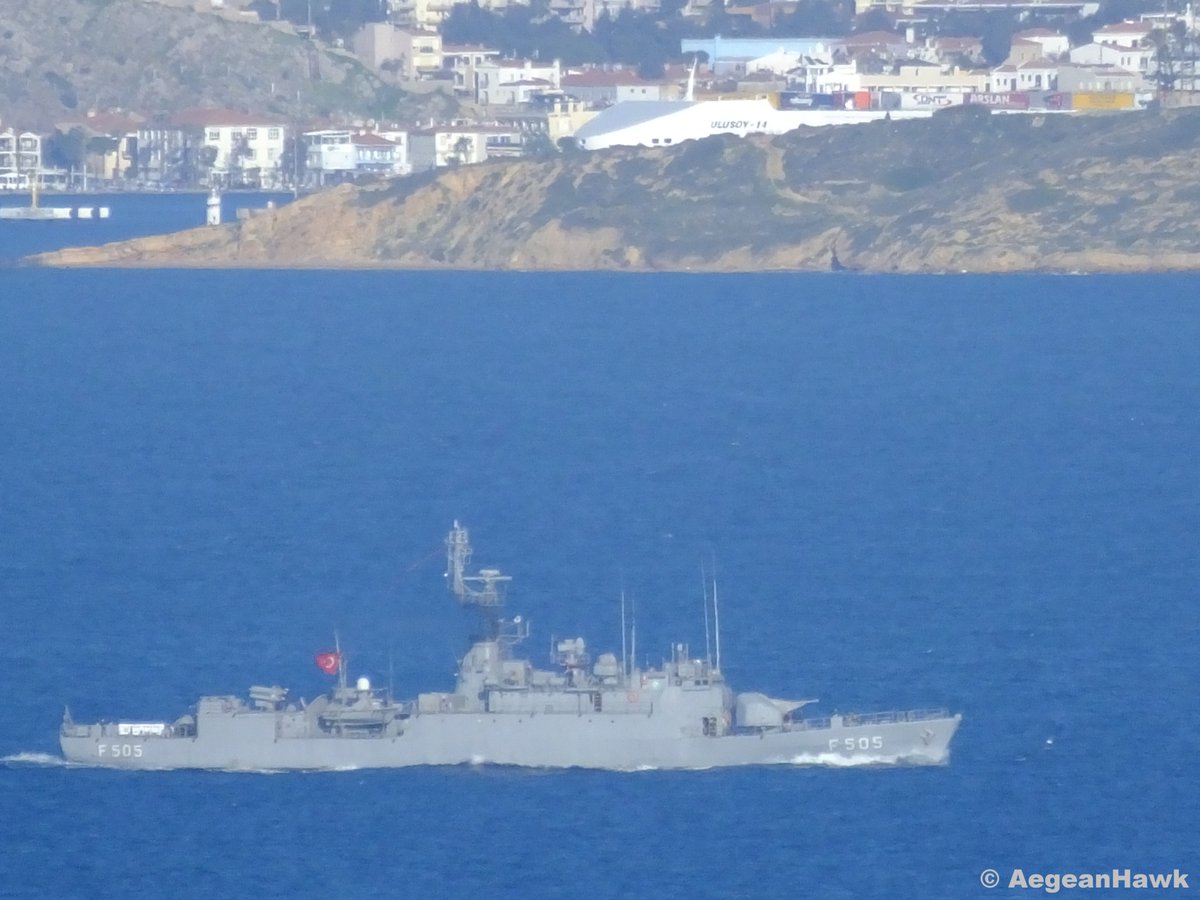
[(60, 58), (959, 192)]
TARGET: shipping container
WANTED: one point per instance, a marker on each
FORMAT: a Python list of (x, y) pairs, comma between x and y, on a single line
[(862, 99), (929, 99), (1050, 100), (1102, 100), (800, 100), (1012, 100)]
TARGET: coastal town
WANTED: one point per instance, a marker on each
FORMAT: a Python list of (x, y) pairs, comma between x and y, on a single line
[(507, 106)]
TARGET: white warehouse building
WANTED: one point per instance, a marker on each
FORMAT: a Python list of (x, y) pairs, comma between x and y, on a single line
[(668, 122)]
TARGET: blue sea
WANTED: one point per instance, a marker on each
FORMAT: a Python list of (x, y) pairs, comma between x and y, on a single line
[(976, 492), (130, 216)]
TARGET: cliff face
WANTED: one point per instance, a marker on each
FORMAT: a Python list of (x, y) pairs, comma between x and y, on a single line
[(58, 58), (959, 192)]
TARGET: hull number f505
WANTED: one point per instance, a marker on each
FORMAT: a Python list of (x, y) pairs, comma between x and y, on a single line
[(129, 751), (862, 743)]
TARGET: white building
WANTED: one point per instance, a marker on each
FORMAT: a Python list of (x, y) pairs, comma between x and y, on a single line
[(910, 75), (243, 149), (1038, 75), (1098, 79), (821, 77), (1052, 43), (599, 87), (20, 159), (914, 75), (166, 152), (447, 145), (463, 60), (1132, 59), (335, 155), (510, 81), (1123, 34)]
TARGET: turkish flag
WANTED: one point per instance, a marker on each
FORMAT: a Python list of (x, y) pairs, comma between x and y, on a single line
[(328, 662)]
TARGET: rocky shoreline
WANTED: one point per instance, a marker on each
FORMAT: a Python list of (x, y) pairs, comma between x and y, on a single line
[(958, 193)]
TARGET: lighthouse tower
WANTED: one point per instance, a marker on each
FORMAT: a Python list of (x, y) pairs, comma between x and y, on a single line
[(214, 208)]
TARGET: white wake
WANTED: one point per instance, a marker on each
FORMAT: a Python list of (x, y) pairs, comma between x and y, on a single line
[(838, 761), (45, 760)]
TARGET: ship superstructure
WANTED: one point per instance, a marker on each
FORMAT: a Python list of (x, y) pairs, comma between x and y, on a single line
[(604, 712)]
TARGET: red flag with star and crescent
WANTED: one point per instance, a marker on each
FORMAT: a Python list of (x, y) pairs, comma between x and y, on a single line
[(328, 662)]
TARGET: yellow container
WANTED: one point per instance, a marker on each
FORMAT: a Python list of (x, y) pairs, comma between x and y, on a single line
[(1101, 100)]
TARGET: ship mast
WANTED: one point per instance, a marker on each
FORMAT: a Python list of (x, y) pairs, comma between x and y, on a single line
[(716, 617), (341, 660), (624, 648), (484, 591), (707, 639)]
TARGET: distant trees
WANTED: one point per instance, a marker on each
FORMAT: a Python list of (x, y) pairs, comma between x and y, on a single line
[(239, 173), (643, 40), (462, 151), (70, 150), (206, 158), (293, 162), (65, 150), (995, 31), (1176, 54), (519, 31), (815, 18)]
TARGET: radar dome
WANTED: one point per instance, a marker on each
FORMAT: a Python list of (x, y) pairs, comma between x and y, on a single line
[(364, 683)]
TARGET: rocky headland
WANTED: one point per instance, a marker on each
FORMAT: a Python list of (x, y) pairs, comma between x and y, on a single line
[(959, 192)]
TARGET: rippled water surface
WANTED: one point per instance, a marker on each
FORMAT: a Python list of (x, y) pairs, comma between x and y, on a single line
[(973, 492)]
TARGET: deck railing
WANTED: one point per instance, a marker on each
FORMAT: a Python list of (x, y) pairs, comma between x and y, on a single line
[(891, 717)]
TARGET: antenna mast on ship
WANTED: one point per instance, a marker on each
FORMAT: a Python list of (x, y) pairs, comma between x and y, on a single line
[(484, 591), (633, 634), (341, 660), (707, 640), (624, 649), (716, 616)]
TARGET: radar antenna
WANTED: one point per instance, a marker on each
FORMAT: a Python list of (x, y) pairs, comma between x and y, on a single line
[(484, 591)]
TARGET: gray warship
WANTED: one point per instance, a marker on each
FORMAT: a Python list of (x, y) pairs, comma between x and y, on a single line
[(608, 713)]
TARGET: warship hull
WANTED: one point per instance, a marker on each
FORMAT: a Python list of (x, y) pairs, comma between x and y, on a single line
[(602, 713), (248, 743)]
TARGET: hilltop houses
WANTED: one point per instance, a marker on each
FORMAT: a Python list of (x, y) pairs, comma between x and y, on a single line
[(518, 106)]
